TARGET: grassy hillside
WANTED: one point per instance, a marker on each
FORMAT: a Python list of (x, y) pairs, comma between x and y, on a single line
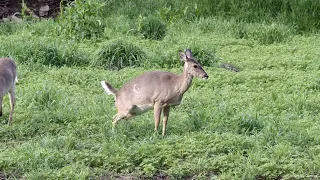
[(259, 123)]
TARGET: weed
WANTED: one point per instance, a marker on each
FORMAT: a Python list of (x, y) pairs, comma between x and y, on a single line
[(82, 19)]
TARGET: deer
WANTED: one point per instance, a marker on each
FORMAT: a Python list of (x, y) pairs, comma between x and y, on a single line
[(8, 79), (155, 90)]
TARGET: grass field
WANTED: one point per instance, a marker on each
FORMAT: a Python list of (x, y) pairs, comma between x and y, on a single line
[(259, 123)]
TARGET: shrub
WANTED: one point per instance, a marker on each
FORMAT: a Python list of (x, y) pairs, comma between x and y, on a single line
[(119, 54), (82, 19), (152, 28)]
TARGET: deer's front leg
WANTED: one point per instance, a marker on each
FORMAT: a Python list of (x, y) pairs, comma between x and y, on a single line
[(166, 111), (157, 114)]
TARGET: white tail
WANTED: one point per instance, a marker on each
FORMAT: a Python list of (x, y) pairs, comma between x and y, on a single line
[(156, 89), (108, 89), (8, 78)]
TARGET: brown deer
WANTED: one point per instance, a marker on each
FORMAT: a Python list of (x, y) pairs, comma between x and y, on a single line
[(156, 89), (8, 78)]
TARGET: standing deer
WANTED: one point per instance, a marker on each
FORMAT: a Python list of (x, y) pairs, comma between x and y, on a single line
[(156, 89), (8, 78)]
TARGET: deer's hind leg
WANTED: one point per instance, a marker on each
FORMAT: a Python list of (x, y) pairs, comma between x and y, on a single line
[(166, 111), (12, 103)]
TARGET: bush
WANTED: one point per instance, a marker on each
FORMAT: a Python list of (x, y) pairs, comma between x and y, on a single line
[(152, 28), (119, 54), (82, 19)]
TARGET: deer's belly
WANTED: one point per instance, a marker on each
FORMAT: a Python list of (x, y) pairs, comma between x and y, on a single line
[(139, 109), (175, 101)]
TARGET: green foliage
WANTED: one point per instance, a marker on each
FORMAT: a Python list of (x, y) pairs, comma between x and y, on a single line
[(60, 56), (265, 34), (171, 14), (152, 28), (303, 15), (9, 28), (44, 53), (259, 123), (46, 98), (206, 56), (82, 19), (168, 14), (250, 125), (119, 54)]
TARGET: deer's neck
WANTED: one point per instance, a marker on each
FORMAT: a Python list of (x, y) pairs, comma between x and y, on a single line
[(185, 82)]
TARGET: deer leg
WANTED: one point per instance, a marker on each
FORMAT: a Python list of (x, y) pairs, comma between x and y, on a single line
[(12, 103), (157, 114), (166, 111)]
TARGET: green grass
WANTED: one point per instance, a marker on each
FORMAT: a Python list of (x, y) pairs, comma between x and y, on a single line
[(259, 123)]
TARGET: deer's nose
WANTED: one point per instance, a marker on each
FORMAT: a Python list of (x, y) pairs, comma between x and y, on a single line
[(205, 76)]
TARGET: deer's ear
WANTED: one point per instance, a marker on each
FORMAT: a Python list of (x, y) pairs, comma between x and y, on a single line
[(189, 54), (183, 56)]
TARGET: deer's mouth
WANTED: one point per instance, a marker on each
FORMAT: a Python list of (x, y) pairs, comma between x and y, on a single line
[(205, 76)]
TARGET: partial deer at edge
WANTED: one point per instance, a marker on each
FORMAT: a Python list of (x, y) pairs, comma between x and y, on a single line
[(156, 89), (8, 78)]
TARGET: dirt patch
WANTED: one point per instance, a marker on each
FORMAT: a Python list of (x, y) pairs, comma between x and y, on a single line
[(14, 175), (2, 176), (41, 8)]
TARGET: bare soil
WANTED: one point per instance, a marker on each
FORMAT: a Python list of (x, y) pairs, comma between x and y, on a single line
[(10, 7)]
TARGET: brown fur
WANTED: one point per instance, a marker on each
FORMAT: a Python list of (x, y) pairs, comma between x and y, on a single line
[(157, 90), (8, 76)]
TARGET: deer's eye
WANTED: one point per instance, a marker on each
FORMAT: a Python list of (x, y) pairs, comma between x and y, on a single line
[(195, 66)]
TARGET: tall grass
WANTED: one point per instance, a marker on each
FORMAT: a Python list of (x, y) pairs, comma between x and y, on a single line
[(82, 19), (45, 51), (303, 15), (119, 54)]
